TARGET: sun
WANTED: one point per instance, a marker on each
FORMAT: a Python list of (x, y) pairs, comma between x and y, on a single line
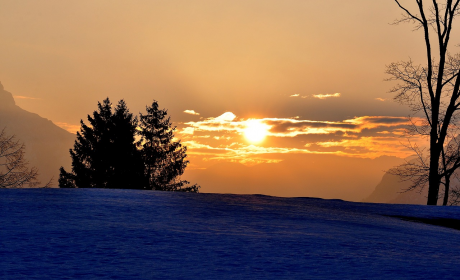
[(255, 131)]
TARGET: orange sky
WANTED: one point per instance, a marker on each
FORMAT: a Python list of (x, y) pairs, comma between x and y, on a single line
[(312, 72)]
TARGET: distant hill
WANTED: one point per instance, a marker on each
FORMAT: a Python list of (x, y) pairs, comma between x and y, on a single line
[(47, 145), (311, 175), (392, 190)]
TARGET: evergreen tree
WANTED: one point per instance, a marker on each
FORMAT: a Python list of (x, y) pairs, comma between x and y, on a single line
[(164, 158), (66, 179), (105, 154)]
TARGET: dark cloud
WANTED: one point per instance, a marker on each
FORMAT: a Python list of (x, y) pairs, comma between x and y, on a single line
[(283, 126), (385, 120)]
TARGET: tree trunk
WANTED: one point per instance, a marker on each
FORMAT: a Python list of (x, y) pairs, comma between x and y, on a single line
[(446, 190), (433, 189), (433, 179)]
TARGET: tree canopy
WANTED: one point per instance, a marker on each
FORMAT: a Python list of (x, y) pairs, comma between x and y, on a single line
[(116, 150)]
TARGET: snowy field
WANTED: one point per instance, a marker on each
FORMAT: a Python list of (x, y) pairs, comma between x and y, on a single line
[(125, 234)]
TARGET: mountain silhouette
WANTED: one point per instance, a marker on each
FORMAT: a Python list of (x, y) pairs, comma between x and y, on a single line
[(391, 189), (47, 145)]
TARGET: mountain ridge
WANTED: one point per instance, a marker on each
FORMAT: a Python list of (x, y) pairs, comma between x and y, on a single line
[(47, 145)]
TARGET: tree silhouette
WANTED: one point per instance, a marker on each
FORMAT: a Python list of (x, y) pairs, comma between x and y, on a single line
[(164, 159), (432, 90), (14, 170), (107, 155), (416, 170)]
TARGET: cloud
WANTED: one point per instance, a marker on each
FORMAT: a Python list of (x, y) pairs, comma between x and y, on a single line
[(236, 150), (223, 123), (373, 147), (288, 127), (187, 130), (191, 112), (324, 96), (295, 127), (365, 136), (380, 99), (225, 117), (370, 122), (365, 147), (25, 97), (298, 95)]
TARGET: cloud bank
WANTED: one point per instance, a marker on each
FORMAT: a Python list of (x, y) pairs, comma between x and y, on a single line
[(222, 137)]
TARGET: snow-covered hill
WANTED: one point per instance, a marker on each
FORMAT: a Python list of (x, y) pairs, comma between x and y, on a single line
[(125, 234)]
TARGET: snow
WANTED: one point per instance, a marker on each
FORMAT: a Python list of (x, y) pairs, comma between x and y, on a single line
[(127, 234)]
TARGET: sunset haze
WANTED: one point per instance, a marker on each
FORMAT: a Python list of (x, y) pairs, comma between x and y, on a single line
[(287, 93)]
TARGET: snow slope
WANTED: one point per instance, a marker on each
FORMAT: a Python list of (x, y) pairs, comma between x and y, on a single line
[(126, 234)]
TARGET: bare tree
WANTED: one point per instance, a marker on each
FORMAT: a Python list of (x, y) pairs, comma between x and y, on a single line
[(431, 90), (14, 170), (416, 171), (454, 196)]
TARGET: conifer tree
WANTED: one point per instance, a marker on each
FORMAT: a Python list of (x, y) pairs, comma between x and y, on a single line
[(105, 153), (164, 158)]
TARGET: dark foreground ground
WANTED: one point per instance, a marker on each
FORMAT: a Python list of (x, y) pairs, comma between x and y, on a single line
[(123, 234)]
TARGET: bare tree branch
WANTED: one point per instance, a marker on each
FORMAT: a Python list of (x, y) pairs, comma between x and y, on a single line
[(14, 170), (434, 91)]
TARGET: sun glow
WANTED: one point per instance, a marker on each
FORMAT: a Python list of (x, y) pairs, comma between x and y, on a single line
[(256, 131)]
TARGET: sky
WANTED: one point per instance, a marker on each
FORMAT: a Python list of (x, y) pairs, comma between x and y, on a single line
[(244, 81)]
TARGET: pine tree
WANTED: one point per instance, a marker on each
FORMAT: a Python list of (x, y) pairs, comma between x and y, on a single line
[(164, 159), (105, 153), (66, 179)]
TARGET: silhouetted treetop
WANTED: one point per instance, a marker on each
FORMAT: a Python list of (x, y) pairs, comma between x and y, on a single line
[(106, 153), (164, 159)]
